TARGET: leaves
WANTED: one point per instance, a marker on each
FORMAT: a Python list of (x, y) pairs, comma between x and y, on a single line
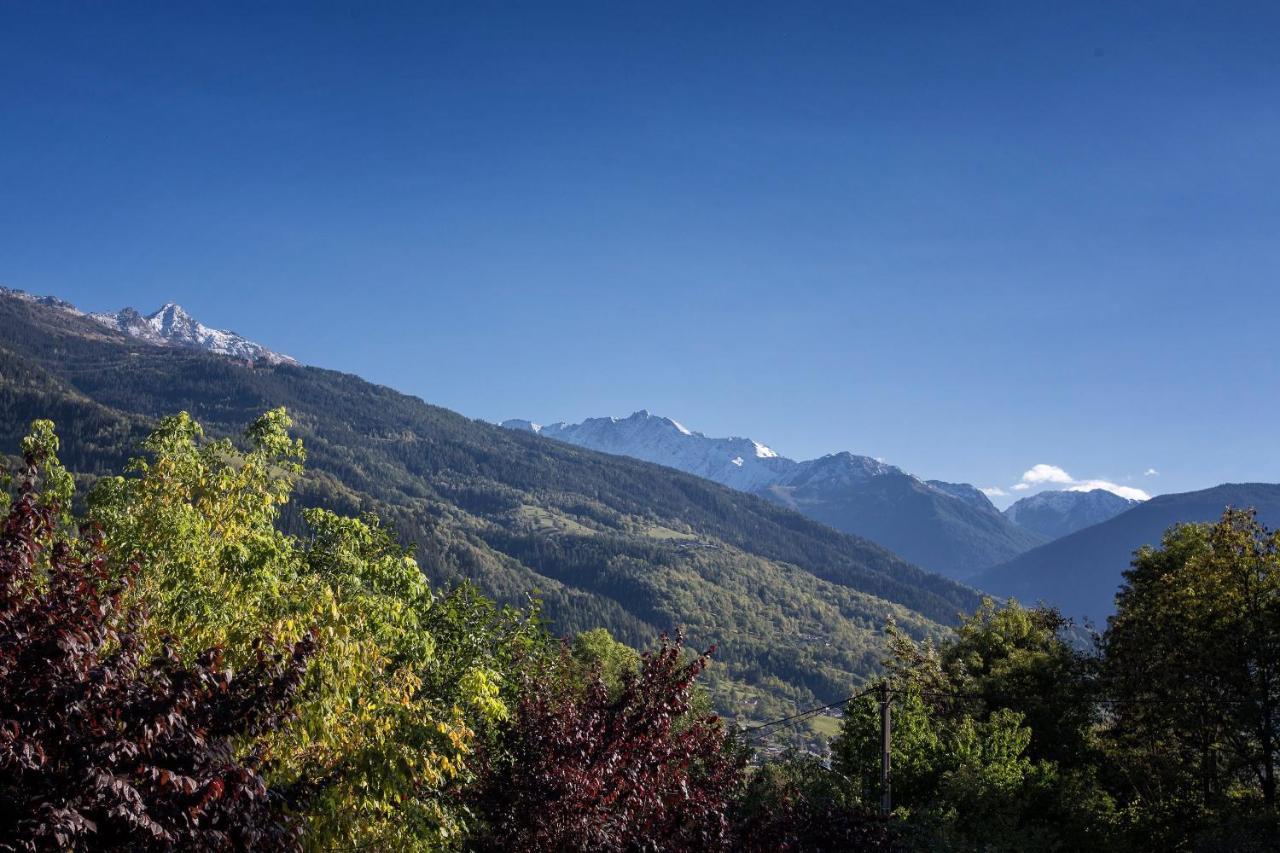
[(400, 683), (101, 745), (1198, 730), (587, 770)]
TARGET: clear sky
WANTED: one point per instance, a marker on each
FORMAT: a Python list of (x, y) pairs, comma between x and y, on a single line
[(967, 238)]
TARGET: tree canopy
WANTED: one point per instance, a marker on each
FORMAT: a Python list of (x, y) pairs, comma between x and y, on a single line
[(182, 665), (107, 742)]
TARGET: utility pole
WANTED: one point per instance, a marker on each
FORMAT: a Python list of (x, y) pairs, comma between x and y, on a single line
[(886, 730)]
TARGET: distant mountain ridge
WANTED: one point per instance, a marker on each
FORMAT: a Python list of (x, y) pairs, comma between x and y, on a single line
[(739, 463), (949, 528), (1055, 514), (1081, 572), (170, 325)]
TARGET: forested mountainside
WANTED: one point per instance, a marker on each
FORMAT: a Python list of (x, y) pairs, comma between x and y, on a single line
[(949, 528), (1081, 573), (941, 531), (795, 608)]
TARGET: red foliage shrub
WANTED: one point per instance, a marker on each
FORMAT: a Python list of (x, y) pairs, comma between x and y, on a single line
[(584, 770)]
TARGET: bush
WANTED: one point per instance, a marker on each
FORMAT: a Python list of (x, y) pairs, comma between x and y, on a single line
[(586, 768)]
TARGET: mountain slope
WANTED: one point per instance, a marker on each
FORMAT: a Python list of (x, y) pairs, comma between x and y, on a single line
[(1081, 572), (949, 528), (795, 608), (1055, 514)]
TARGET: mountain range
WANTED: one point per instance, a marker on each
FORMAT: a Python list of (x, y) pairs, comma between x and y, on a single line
[(1081, 572), (949, 528), (795, 608), (1057, 514)]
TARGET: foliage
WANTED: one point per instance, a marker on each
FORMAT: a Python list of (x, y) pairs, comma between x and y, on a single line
[(101, 746), (1009, 738), (798, 804), (386, 716), (1197, 731), (965, 774), (597, 652), (587, 770), (1023, 658)]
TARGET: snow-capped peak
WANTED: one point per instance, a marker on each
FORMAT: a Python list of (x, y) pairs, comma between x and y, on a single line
[(741, 463), (168, 326), (172, 326), (737, 462)]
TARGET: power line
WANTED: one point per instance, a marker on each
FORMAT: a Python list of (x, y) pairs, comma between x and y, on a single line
[(1087, 699), (794, 718), (801, 716), (886, 703)]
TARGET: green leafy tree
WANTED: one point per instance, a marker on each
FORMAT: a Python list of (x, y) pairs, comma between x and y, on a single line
[(1024, 659), (799, 804), (965, 774), (384, 726), (597, 651), (1193, 655)]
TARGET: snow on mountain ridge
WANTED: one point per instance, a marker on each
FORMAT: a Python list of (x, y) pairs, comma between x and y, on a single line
[(168, 326), (48, 301), (521, 425), (950, 528), (740, 463), (736, 462), (172, 326)]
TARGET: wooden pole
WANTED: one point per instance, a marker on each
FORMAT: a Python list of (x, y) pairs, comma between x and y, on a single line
[(886, 733)]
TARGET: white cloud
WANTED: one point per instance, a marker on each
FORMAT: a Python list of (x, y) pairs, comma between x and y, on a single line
[(1151, 472), (993, 492), (1043, 473), (1123, 491)]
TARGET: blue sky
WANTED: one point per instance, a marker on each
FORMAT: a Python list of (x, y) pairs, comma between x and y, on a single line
[(966, 240)]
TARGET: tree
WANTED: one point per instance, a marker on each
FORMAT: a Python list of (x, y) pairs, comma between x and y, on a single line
[(965, 775), (597, 652), (1193, 656), (397, 689), (103, 746), (798, 804), (584, 769), (1024, 659)]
